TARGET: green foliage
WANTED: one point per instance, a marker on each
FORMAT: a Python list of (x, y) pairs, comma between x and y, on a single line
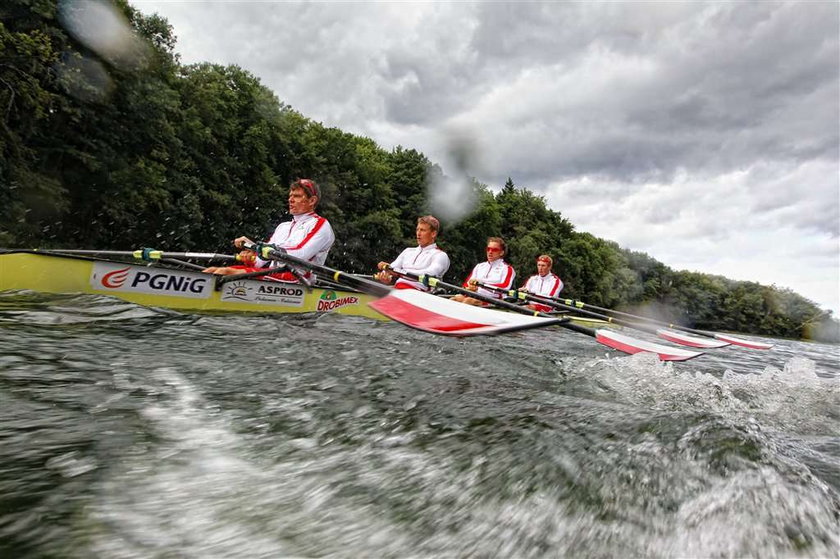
[(409, 176), (99, 155), (530, 229), (30, 48)]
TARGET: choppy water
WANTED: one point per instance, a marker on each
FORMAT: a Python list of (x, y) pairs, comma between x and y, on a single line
[(130, 432)]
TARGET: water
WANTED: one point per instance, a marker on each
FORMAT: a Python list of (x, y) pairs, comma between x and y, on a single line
[(134, 432)]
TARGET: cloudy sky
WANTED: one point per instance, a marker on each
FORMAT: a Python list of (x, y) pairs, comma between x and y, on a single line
[(704, 134)]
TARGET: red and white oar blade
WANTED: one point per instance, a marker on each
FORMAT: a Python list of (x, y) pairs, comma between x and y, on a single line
[(442, 316), (692, 341), (742, 342), (632, 345)]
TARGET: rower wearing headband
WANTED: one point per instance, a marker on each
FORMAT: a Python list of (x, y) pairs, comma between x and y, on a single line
[(307, 236)]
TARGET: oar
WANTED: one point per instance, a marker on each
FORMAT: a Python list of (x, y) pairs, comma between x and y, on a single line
[(680, 339), (669, 334), (413, 308), (183, 263), (147, 254), (606, 337)]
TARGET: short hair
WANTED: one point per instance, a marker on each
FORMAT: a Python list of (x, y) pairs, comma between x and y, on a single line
[(431, 221), (499, 240), (309, 186), (545, 258)]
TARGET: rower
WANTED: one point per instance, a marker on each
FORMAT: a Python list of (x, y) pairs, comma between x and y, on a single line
[(424, 259), (495, 272), (307, 236), (544, 283)]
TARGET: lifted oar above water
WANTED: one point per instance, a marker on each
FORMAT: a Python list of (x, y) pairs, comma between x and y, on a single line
[(685, 339), (676, 337), (147, 254), (605, 337), (416, 309), (742, 342), (667, 334)]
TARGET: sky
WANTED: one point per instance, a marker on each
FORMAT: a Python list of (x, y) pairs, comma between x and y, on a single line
[(705, 134)]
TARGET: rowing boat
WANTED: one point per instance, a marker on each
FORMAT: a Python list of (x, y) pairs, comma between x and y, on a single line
[(159, 284), (156, 285)]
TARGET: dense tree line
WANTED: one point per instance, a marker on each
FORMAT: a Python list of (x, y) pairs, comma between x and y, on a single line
[(100, 152)]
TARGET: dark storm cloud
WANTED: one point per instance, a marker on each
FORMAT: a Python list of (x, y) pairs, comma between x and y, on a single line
[(719, 95)]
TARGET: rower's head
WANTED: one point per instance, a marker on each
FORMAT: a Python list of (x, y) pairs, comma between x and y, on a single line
[(544, 263), (304, 195), (427, 230), (496, 248)]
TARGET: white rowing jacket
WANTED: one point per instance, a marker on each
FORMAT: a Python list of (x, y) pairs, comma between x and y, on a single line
[(428, 260), (548, 285), (498, 274), (307, 236)]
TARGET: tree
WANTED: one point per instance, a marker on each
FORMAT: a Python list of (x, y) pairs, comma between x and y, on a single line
[(31, 197)]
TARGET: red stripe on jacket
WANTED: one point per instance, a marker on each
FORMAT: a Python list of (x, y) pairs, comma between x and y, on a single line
[(553, 291), (506, 283), (305, 240)]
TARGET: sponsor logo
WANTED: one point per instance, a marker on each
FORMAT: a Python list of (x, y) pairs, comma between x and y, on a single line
[(140, 279), (168, 282), (330, 301), (280, 290), (284, 295), (236, 290), (115, 279)]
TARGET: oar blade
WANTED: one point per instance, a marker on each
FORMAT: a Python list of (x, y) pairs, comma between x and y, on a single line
[(430, 313), (691, 341), (741, 342), (632, 345)]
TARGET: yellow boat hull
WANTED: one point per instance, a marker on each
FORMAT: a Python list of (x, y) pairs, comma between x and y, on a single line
[(155, 286)]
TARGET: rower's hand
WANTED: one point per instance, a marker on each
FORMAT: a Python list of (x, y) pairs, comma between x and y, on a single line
[(382, 265), (472, 285), (383, 277), (239, 241)]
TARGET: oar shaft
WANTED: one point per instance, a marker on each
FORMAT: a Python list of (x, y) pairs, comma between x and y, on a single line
[(580, 305), (182, 263), (364, 285), (151, 254), (554, 303)]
